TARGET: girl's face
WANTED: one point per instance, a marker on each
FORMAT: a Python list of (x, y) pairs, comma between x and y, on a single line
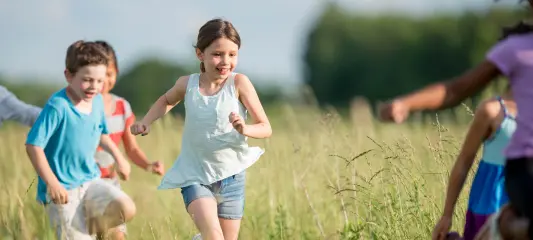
[(111, 78), (219, 58)]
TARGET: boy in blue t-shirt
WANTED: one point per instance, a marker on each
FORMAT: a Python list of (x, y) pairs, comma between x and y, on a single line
[(61, 146)]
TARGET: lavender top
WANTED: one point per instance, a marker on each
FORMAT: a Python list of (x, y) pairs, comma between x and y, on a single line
[(514, 58)]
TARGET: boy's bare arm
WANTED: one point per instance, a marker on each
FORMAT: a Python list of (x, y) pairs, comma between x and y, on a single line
[(39, 162), (109, 146)]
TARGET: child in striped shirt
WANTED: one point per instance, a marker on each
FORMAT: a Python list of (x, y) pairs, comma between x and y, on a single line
[(119, 118)]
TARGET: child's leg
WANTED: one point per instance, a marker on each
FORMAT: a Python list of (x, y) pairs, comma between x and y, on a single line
[(203, 211), (519, 187), (69, 219), (202, 206), (119, 232), (107, 207), (231, 205)]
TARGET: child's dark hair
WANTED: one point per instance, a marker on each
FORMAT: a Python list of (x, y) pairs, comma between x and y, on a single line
[(110, 51), (519, 28), (81, 54), (213, 30)]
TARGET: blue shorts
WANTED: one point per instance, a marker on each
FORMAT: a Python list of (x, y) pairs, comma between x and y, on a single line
[(228, 192)]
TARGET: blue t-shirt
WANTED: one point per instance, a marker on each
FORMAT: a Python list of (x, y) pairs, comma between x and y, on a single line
[(69, 139)]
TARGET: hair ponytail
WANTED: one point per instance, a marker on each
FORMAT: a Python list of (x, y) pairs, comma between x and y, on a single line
[(202, 67)]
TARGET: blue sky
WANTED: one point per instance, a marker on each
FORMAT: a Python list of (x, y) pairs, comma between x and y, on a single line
[(36, 33)]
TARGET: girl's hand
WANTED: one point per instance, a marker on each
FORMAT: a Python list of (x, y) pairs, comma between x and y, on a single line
[(157, 168), (442, 228), (140, 128), (395, 111), (237, 122)]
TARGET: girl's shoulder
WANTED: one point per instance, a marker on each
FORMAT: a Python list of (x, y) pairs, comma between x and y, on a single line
[(242, 81), (183, 81), (239, 77), (489, 109)]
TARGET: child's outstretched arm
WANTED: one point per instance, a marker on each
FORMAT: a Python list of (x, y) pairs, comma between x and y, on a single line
[(164, 104), (109, 146), (12, 108), (440, 95), (480, 129), (248, 96), (136, 154)]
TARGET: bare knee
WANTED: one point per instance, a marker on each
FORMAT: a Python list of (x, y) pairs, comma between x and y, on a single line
[(116, 234), (123, 206)]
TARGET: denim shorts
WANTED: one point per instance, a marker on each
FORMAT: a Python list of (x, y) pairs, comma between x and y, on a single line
[(228, 192)]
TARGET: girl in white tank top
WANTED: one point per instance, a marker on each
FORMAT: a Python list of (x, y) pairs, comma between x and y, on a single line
[(210, 169)]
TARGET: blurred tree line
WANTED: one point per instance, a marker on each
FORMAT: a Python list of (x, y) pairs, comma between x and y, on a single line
[(349, 55), (346, 56), (141, 84)]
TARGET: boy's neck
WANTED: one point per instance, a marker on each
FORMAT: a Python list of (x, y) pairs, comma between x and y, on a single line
[(81, 105)]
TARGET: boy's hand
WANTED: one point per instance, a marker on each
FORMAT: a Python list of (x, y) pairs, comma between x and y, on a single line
[(157, 168), (58, 193), (140, 128), (123, 169), (237, 122)]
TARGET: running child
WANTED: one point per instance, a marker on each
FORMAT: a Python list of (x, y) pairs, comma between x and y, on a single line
[(119, 118), (11, 108), (512, 57), (210, 169), (492, 127), (61, 146)]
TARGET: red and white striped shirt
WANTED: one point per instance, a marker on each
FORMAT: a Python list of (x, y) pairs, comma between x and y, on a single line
[(117, 123)]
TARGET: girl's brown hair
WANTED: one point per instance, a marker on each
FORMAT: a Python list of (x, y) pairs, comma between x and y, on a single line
[(110, 51), (213, 30)]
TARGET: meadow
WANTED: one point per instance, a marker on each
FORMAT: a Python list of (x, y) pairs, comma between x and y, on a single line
[(322, 177)]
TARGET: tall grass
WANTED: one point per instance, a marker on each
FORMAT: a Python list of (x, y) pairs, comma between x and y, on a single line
[(320, 178)]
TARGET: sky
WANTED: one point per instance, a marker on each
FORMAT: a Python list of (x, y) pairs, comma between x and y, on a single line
[(36, 33)]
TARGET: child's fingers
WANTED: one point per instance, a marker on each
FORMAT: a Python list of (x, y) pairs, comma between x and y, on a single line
[(237, 122), (233, 116)]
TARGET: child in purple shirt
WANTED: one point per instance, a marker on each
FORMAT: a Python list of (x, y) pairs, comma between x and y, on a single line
[(512, 58)]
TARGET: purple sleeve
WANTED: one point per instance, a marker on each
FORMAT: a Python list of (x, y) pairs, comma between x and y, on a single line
[(503, 56)]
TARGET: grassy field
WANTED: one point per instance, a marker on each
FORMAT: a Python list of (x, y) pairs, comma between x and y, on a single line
[(320, 178)]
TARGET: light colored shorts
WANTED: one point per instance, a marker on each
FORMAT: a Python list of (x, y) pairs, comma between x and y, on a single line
[(86, 201), (116, 182), (228, 192)]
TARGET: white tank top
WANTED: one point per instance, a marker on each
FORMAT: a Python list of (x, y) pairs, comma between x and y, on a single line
[(211, 148)]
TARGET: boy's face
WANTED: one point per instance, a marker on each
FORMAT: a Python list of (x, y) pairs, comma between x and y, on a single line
[(87, 82), (111, 78)]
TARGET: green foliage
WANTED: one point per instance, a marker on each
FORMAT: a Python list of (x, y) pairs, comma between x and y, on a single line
[(31, 92), (145, 82), (381, 57)]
